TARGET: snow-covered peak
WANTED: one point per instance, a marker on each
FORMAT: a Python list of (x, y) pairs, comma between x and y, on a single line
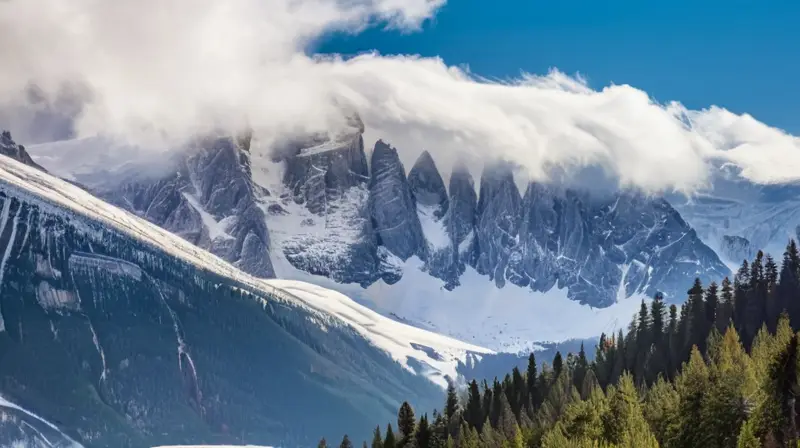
[(411, 347)]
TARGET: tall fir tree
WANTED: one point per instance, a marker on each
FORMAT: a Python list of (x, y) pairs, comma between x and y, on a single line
[(531, 376), (517, 395), (697, 328), (424, 433), (725, 308), (741, 286), (390, 441), (581, 368), (673, 342), (558, 364), (451, 405), (772, 305), (406, 422), (788, 288), (474, 413), (346, 443), (377, 438)]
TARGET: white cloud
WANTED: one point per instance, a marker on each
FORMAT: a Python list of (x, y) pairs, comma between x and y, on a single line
[(178, 67)]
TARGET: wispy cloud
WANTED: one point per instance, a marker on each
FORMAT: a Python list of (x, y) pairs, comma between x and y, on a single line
[(178, 67)]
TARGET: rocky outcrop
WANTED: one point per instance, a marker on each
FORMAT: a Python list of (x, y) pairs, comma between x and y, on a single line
[(209, 199), (392, 207), (497, 221), (352, 221), (9, 148)]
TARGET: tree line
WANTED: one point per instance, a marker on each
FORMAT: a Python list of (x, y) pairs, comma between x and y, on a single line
[(720, 371)]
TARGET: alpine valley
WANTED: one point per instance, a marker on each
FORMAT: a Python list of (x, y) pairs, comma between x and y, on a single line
[(226, 292)]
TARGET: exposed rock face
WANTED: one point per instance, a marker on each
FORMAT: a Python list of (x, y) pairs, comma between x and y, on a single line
[(330, 180), (433, 206), (392, 207), (9, 148), (497, 221), (338, 216), (321, 174), (461, 220), (209, 199)]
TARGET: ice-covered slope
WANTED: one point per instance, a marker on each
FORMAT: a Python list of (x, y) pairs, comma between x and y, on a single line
[(406, 344)]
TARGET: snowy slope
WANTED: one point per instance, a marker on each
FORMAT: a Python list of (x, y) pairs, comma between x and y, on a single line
[(409, 346), (767, 216)]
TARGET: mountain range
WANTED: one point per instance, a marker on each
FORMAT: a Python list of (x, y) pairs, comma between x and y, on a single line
[(151, 284), (328, 210), (116, 333)]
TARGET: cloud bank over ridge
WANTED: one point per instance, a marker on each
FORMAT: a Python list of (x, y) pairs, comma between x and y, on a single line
[(176, 68)]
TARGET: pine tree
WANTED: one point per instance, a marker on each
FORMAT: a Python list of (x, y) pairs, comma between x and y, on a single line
[(424, 434), (674, 342), (691, 384), (777, 411), (390, 441), (731, 385), (377, 439), (451, 405), (712, 305), (788, 288), (517, 395), (725, 308), (741, 285), (558, 364), (698, 328), (346, 442), (755, 300), (322, 443), (772, 305), (406, 423), (581, 369), (498, 397), (590, 384), (486, 404), (624, 423), (474, 414), (530, 380), (660, 408)]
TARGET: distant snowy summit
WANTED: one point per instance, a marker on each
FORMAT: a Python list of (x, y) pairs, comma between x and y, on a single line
[(327, 207)]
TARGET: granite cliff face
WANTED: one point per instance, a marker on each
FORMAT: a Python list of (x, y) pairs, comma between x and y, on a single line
[(208, 198), (357, 216)]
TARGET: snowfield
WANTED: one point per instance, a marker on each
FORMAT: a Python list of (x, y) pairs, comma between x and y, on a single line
[(410, 346)]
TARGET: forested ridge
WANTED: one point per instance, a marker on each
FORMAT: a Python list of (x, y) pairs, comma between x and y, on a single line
[(720, 371)]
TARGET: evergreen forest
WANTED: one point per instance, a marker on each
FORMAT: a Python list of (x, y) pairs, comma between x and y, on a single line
[(721, 371)]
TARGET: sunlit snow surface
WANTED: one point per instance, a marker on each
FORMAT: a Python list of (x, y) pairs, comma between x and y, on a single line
[(410, 346)]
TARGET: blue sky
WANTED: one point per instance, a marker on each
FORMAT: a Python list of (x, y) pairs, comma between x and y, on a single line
[(742, 55)]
